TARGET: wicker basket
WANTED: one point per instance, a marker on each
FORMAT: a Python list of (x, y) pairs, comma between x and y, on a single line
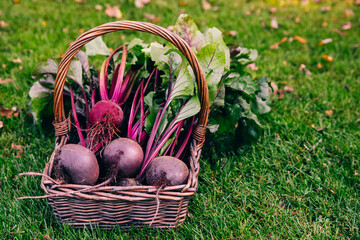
[(107, 206)]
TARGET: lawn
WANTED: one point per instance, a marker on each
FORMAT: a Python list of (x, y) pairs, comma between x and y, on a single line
[(299, 181)]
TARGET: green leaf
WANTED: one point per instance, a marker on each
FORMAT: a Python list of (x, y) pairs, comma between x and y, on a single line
[(75, 71), (212, 61), (191, 108), (214, 35), (97, 47), (187, 29), (244, 83), (183, 85)]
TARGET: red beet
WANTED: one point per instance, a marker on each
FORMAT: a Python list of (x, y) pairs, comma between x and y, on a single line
[(106, 109), (123, 158), (166, 170), (77, 164)]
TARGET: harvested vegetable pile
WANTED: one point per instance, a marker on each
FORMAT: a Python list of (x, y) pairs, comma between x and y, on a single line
[(132, 120)]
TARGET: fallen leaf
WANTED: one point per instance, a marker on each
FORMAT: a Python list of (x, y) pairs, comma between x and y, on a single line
[(339, 32), (6, 80), (98, 7), (278, 137), (357, 2), (356, 173), (3, 24), (274, 88), (300, 39), (324, 24), (312, 125), (17, 60), (325, 8), (346, 26), (7, 112), (4, 65), (16, 1), (232, 33), (1, 124), (281, 94), (319, 66), (216, 8), (327, 58), (152, 18), (276, 45), (18, 148), (320, 129), (206, 5), (325, 41), (349, 12), (79, 1), (358, 120), (65, 30), (113, 11), (329, 112), (288, 89), (171, 28), (297, 19), (284, 63), (274, 23), (81, 30), (247, 13), (47, 237), (141, 3), (273, 10), (252, 66), (183, 3), (303, 68), (43, 23)]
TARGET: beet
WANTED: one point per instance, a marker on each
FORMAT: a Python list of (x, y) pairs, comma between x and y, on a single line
[(166, 170), (123, 158), (106, 109), (76, 164)]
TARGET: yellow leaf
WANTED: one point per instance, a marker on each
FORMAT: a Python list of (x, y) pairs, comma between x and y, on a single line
[(44, 23), (327, 58), (300, 39), (329, 112)]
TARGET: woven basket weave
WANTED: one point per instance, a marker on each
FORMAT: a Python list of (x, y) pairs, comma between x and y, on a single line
[(107, 206)]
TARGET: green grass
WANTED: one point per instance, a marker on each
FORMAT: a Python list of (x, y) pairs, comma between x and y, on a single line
[(294, 183)]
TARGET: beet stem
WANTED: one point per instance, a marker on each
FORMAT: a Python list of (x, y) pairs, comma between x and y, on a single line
[(77, 124)]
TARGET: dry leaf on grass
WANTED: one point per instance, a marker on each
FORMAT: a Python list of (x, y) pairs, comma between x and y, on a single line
[(47, 237), (274, 88), (346, 26), (1, 124), (98, 7), (297, 19), (327, 58), (288, 89), (3, 24), (232, 33), (17, 60), (274, 23), (349, 12), (319, 66), (6, 80), (19, 149), (329, 112), (276, 45), (303, 68), (113, 11), (152, 18), (281, 94), (206, 5), (300, 39), (5, 112), (325, 41), (273, 10), (141, 3)]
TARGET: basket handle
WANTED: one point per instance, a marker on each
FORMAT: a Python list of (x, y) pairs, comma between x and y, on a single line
[(61, 123)]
